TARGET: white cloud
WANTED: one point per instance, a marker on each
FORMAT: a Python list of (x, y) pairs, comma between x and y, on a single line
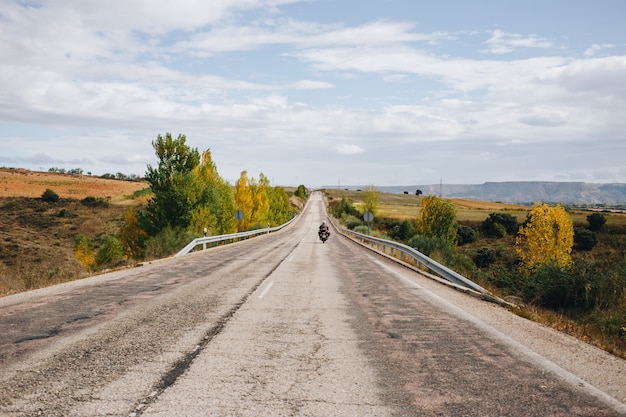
[(311, 85), (504, 43), (345, 149)]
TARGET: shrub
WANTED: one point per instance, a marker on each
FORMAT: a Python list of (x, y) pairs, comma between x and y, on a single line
[(50, 196), (465, 234), (584, 239), (84, 252), (554, 287), (351, 221), (484, 257), (363, 229), (94, 202), (596, 221), (499, 224), (428, 245), (406, 230), (110, 253), (167, 242)]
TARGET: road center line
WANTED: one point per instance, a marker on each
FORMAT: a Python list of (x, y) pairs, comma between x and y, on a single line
[(266, 289)]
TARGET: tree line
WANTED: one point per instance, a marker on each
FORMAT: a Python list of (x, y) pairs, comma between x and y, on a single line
[(188, 199)]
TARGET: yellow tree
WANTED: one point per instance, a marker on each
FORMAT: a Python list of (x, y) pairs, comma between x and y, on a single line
[(260, 201), (216, 203), (84, 253), (546, 238), (243, 199), (371, 199), (437, 219), (132, 236)]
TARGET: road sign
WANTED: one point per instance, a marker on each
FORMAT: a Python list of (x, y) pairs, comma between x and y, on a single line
[(238, 214)]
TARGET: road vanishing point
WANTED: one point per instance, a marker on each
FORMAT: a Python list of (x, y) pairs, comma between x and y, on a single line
[(283, 325)]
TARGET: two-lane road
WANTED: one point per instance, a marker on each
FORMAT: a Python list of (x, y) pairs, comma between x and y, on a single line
[(285, 325)]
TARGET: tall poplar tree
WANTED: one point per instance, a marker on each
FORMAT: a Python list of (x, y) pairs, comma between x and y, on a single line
[(243, 199), (547, 237), (437, 219)]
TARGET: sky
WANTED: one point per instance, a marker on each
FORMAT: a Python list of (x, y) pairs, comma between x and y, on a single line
[(320, 92)]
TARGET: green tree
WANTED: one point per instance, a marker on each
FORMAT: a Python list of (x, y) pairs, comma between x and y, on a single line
[(437, 219), (546, 238), (301, 192), (175, 187), (280, 208), (371, 199)]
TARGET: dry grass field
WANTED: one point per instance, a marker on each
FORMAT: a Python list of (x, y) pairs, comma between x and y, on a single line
[(32, 184), (37, 237)]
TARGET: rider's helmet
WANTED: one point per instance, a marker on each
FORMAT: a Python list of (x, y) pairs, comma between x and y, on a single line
[(323, 221)]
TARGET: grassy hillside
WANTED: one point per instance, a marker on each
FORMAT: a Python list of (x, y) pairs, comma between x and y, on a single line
[(37, 237)]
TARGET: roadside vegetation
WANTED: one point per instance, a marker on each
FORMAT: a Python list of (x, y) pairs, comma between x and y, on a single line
[(55, 238), (562, 266)]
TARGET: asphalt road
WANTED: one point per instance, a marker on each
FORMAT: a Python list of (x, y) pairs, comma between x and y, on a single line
[(283, 325)]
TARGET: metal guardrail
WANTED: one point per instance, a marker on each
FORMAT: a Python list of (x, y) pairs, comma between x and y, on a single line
[(233, 236), (403, 252)]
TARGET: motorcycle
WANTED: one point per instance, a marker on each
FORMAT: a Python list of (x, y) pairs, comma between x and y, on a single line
[(323, 234)]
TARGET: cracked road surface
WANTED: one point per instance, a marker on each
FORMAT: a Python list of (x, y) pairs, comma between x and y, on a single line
[(283, 325)]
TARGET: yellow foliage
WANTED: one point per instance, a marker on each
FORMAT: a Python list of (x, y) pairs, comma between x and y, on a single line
[(371, 199), (437, 219), (84, 253), (131, 235), (260, 201), (201, 218), (243, 199), (548, 237)]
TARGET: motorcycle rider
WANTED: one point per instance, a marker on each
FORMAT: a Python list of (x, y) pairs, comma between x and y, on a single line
[(323, 229)]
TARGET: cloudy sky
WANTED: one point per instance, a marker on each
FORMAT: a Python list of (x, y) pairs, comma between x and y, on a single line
[(320, 92)]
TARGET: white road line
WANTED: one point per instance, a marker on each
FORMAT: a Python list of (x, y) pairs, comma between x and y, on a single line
[(266, 289)]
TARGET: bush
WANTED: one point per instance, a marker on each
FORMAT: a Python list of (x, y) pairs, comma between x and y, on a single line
[(406, 230), (50, 196), (556, 288), (484, 257), (465, 234), (94, 202), (351, 221), (584, 239), (596, 221), (499, 224), (363, 229), (428, 245), (109, 253), (167, 242)]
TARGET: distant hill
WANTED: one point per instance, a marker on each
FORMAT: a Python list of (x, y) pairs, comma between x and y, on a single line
[(523, 192)]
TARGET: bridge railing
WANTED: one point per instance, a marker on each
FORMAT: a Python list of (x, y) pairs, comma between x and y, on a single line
[(230, 237), (412, 256)]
